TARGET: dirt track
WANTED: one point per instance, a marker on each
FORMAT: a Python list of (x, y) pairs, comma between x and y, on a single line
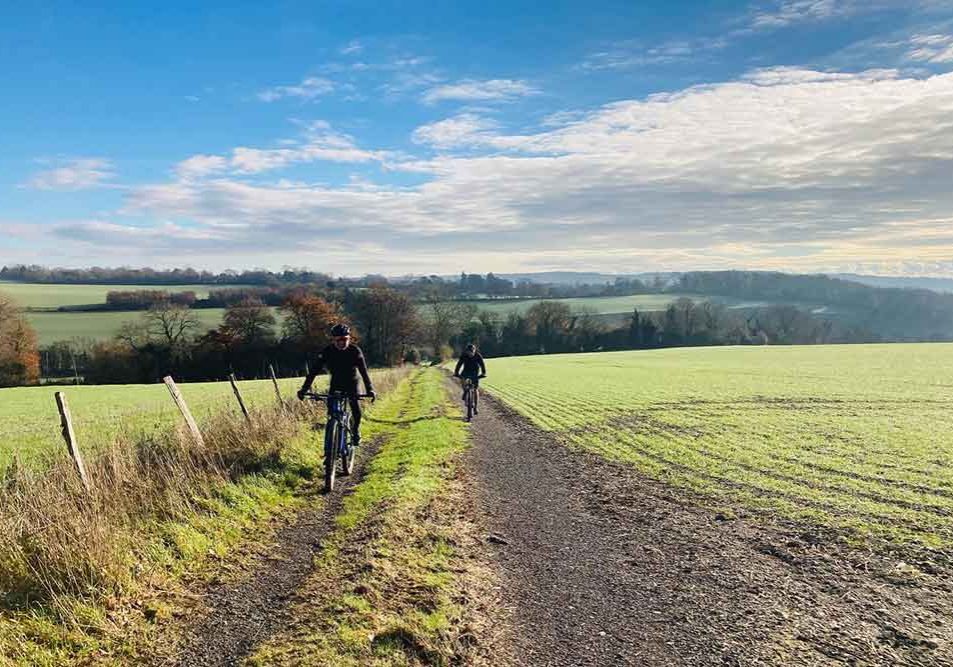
[(240, 616), (600, 566)]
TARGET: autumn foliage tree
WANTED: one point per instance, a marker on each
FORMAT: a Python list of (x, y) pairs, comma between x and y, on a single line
[(19, 355), (308, 321)]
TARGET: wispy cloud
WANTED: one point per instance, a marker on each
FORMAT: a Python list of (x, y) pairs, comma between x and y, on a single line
[(73, 174), (625, 55), (789, 12), (318, 142), (784, 13), (471, 90), (931, 48), (308, 89), (352, 47)]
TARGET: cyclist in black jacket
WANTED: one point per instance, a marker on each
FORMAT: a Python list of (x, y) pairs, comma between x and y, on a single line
[(344, 362), (474, 368)]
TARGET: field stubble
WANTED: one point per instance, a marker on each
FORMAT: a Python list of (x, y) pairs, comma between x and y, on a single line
[(858, 439)]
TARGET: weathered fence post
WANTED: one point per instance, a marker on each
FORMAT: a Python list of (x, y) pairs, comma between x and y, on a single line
[(274, 381), (238, 395), (184, 409), (69, 435)]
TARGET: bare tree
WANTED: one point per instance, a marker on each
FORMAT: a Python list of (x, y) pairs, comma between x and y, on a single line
[(250, 322), (134, 334), (171, 324), (445, 318), (388, 320)]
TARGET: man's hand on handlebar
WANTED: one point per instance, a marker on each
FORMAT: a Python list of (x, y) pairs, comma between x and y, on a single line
[(373, 395)]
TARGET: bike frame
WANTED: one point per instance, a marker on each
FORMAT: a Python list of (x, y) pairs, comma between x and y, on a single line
[(338, 413), (468, 387)]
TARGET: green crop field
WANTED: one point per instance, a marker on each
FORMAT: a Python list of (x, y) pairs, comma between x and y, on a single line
[(29, 421), (603, 305), (51, 327), (610, 305), (855, 438), (31, 295)]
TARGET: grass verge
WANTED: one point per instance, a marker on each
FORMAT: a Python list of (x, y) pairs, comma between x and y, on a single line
[(392, 586), (87, 578)]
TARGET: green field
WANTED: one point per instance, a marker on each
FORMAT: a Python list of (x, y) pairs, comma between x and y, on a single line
[(602, 305), (31, 295), (854, 438), (51, 327), (29, 421)]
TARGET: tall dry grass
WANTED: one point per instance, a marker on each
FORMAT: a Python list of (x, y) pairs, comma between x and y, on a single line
[(56, 539)]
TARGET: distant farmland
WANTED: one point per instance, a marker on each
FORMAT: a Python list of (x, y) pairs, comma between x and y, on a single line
[(42, 301), (50, 297), (856, 438), (53, 326)]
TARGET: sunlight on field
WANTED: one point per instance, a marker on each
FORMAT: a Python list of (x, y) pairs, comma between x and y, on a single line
[(858, 438), (51, 327), (36, 295), (30, 427)]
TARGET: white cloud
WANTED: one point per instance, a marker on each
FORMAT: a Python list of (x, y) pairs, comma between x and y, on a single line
[(198, 166), (73, 174), (782, 169), (931, 48), (308, 89), (318, 142), (461, 130), (471, 90)]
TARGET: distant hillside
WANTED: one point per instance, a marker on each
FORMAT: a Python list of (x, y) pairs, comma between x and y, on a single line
[(564, 277), (904, 282), (888, 313)]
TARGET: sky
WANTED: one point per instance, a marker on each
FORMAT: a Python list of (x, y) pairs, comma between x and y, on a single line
[(401, 138)]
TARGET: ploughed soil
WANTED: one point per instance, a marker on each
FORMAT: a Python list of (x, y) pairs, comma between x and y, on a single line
[(238, 616), (598, 565)]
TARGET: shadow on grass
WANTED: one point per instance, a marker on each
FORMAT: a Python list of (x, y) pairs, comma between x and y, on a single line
[(400, 422)]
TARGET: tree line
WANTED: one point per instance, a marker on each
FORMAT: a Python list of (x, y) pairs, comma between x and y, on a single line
[(431, 317), (168, 338)]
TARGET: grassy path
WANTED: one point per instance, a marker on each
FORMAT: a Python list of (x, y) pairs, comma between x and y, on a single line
[(391, 585)]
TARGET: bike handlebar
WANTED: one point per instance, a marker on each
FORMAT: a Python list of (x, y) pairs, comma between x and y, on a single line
[(321, 397)]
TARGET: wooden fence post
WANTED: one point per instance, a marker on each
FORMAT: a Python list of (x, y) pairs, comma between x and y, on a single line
[(69, 435), (238, 395), (274, 381), (184, 409)]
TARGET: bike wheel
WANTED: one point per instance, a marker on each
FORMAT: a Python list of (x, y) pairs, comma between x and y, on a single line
[(331, 439), (470, 405), (347, 454)]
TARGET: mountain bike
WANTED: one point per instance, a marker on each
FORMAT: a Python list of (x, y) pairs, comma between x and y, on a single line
[(338, 435), (470, 397)]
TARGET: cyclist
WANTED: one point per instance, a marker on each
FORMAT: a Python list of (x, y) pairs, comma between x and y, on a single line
[(474, 368), (343, 361)]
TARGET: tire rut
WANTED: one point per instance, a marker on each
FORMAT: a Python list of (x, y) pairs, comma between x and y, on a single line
[(244, 614)]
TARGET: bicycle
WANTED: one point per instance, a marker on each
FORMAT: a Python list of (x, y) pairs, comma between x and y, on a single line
[(338, 435), (469, 396)]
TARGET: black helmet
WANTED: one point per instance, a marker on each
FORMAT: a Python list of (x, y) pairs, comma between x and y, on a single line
[(340, 330)]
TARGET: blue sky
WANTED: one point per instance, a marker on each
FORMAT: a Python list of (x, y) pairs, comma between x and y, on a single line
[(801, 135)]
